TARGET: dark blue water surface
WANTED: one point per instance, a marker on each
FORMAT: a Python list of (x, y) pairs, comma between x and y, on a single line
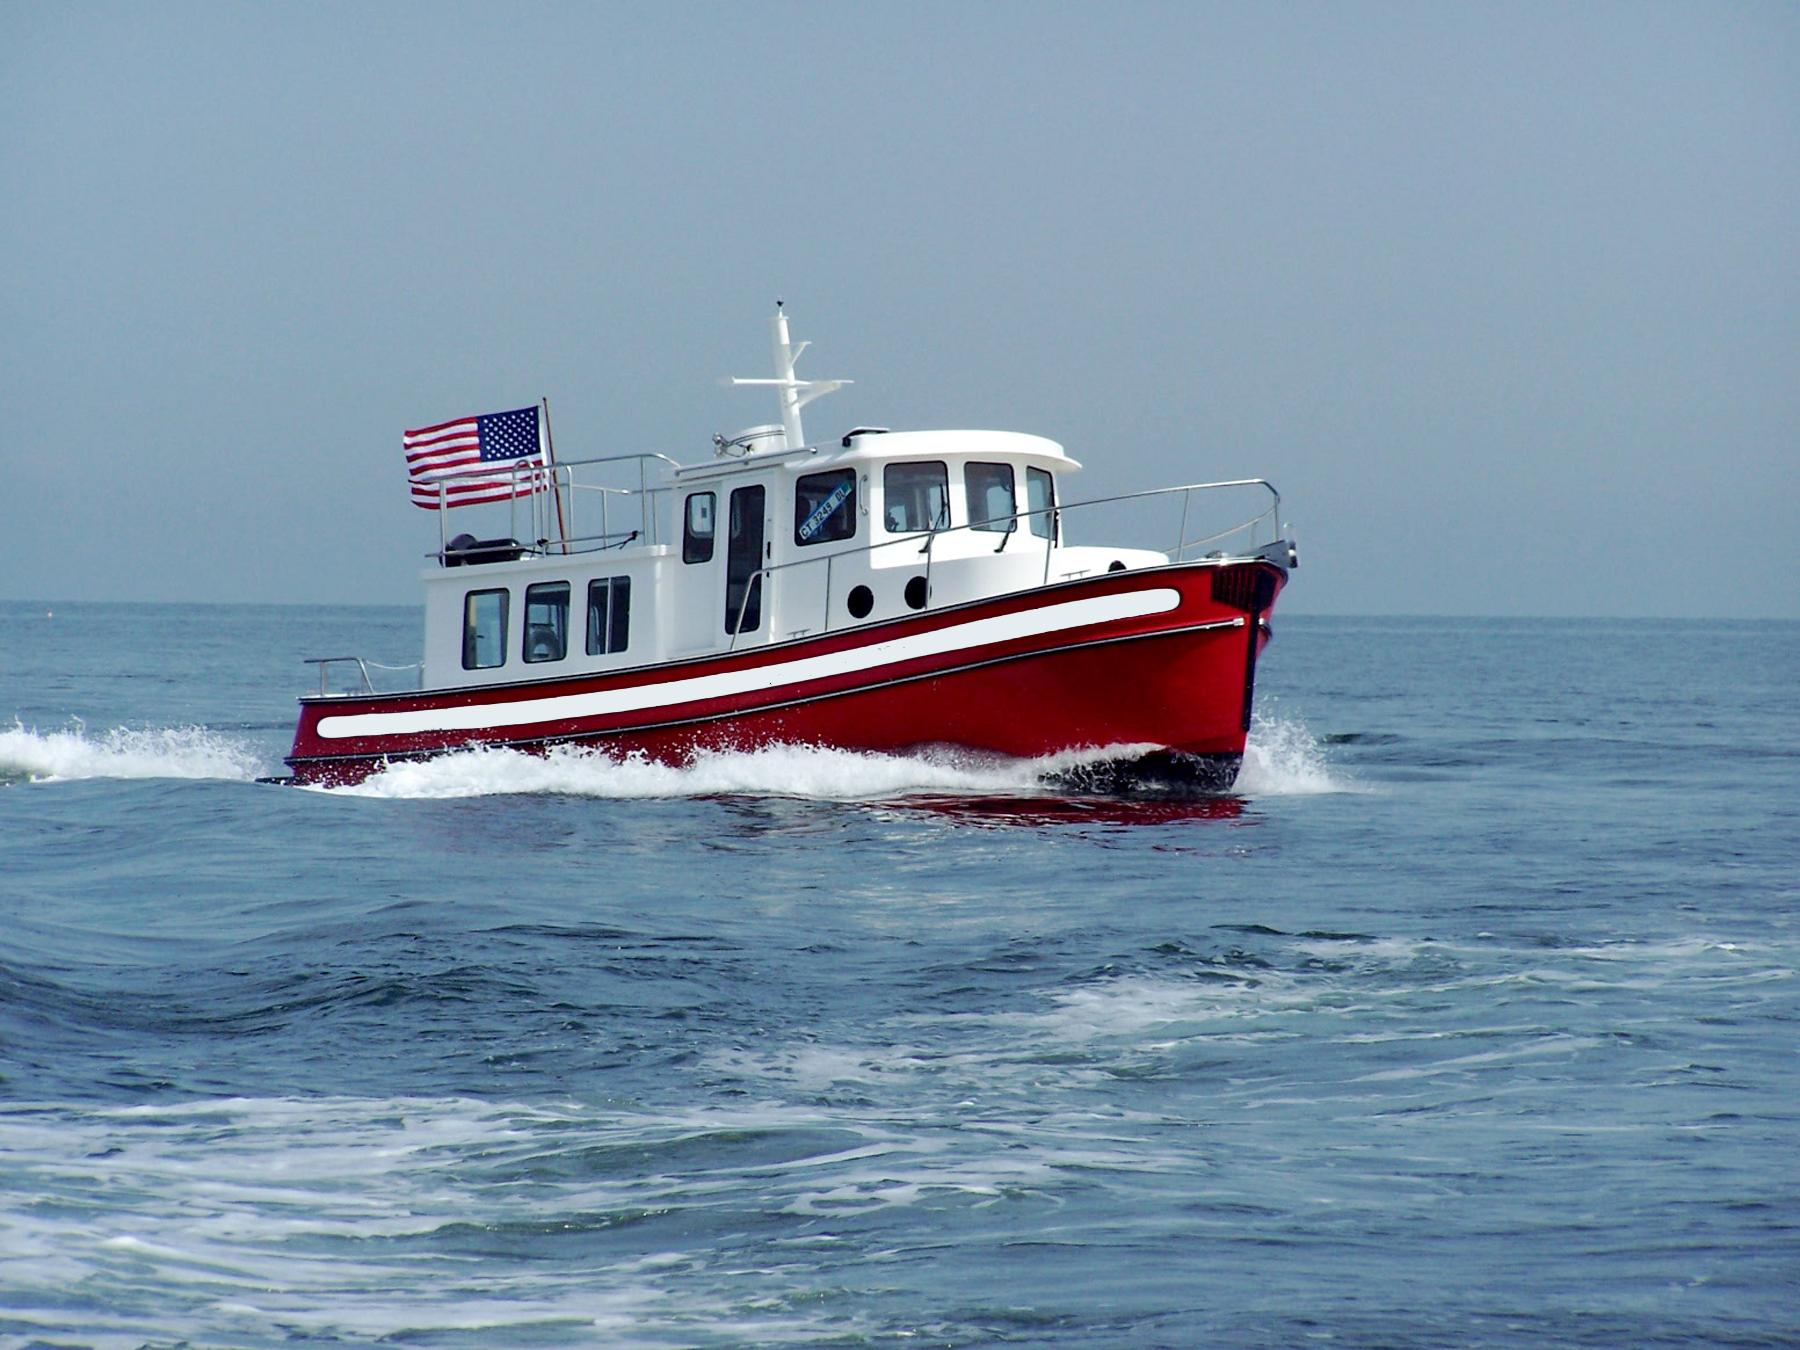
[(1473, 1019)]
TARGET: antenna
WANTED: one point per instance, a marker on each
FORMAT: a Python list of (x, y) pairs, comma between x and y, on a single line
[(791, 392)]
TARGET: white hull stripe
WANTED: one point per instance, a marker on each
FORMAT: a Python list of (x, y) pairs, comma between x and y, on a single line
[(960, 637)]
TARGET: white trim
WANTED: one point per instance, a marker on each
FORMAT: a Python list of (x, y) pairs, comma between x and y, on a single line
[(638, 698)]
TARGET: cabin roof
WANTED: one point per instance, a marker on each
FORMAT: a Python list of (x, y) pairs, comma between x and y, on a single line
[(867, 446)]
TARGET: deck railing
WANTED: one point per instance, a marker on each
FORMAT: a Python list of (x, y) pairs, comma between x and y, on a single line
[(554, 499), (1183, 550), (366, 684), (926, 543)]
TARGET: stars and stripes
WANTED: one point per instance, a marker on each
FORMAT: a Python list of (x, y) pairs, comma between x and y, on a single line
[(449, 458)]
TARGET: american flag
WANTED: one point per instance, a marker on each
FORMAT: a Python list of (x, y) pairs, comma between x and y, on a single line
[(452, 454)]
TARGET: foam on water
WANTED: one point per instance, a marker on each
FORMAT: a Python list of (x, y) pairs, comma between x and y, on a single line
[(1281, 759), (123, 752), (1479, 1048), (265, 1219), (779, 770)]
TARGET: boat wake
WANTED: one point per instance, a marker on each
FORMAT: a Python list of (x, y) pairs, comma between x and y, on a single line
[(806, 771), (29, 755), (1282, 759)]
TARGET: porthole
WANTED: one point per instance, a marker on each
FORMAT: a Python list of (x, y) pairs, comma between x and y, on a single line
[(1117, 566), (861, 601), (916, 594)]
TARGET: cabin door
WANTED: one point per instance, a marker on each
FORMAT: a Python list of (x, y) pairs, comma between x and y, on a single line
[(746, 591)]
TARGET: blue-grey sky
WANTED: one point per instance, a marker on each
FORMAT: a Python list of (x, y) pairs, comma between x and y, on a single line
[(1505, 298)]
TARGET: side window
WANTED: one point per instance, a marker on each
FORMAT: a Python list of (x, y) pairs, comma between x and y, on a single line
[(1040, 496), (825, 507), (547, 621), (697, 529), (915, 497), (484, 630), (609, 615), (990, 489)]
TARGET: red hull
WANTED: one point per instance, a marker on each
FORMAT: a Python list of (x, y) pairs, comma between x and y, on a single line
[(1159, 661)]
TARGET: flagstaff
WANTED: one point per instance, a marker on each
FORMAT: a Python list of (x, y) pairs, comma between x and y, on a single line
[(562, 531)]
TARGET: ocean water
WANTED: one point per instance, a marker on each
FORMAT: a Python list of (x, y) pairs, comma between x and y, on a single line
[(1472, 1017)]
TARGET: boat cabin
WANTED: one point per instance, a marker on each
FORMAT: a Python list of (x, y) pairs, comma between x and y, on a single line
[(764, 547), (771, 540)]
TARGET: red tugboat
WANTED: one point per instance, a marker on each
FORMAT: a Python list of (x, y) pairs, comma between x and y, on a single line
[(881, 591)]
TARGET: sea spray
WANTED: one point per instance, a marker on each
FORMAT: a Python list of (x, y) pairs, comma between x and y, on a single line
[(805, 771), (123, 752), (1282, 759)]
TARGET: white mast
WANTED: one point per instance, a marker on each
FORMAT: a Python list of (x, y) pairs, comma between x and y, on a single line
[(791, 392)]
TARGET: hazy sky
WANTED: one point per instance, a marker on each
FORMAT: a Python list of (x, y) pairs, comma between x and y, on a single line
[(1506, 299)]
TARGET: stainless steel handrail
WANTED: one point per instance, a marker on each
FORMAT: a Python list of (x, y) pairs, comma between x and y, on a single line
[(1054, 512), (619, 459), (754, 584), (751, 583), (986, 526), (567, 534), (324, 663), (541, 483)]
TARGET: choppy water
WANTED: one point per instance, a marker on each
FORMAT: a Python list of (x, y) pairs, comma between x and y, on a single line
[(1471, 1019)]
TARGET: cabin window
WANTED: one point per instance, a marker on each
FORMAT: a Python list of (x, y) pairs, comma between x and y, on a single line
[(484, 630), (825, 507), (990, 489), (547, 621), (743, 561), (697, 529), (609, 615), (1040, 496), (916, 497)]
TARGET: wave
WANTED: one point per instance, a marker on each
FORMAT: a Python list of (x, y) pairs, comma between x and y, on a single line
[(123, 752), (1282, 758)]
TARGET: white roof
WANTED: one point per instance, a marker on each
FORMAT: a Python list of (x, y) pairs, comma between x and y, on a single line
[(866, 447)]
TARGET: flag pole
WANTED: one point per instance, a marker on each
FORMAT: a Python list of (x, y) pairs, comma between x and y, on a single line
[(562, 531)]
